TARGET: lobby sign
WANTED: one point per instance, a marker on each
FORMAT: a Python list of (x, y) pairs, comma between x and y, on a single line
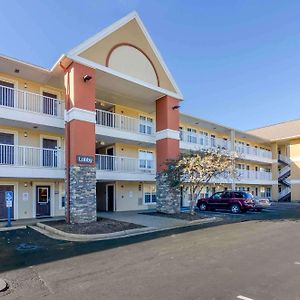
[(84, 159)]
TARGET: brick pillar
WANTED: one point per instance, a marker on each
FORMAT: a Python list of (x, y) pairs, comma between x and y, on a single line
[(167, 147), (80, 144)]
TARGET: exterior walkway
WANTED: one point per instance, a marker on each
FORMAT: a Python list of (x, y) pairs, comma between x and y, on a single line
[(145, 220)]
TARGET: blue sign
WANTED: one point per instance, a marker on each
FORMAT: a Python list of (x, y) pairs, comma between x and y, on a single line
[(9, 203)]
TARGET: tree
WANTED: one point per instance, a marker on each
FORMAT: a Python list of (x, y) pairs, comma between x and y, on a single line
[(194, 170)]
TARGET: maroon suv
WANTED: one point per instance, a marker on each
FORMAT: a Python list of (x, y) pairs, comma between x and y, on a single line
[(235, 201)]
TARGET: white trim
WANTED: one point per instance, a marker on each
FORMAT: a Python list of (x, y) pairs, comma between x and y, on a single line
[(168, 134), (295, 181), (115, 26), (80, 114), (106, 196), (16, 196)]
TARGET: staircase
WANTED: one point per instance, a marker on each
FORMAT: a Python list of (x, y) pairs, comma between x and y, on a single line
[(283, 175)]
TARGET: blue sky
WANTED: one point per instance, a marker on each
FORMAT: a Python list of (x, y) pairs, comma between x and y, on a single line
[(236, 62)]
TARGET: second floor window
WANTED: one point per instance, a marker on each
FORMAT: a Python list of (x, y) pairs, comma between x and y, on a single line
[(146, 160), (146, 125), (191, 136)]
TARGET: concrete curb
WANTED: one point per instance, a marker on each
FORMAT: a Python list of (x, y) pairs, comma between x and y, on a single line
[(61, 235), (12, 228)]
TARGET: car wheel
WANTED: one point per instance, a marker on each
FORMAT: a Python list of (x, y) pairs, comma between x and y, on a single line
[(235, 208), (203, 206)]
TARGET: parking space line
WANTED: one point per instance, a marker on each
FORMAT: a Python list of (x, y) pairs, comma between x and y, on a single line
[(297, 263), (244, 298)]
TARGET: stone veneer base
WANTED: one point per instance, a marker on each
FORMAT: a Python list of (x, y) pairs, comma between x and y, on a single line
[(167, 197), (83, 194)]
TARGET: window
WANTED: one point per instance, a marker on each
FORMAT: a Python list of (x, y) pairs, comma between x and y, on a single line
[(146, 125), (7, 94), (213, 140), (203, 138), (63, 201), (146, 160), (217, 196), (268, 192), (149, 194), (237, 195), (191, 135), (262, 192)]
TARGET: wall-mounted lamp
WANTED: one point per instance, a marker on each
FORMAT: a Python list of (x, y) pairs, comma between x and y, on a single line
[(25, 85), (176, 107), (25, 184), (25, 134), (87, 77)]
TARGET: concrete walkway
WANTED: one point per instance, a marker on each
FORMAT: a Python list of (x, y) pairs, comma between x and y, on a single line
[(145, 220)]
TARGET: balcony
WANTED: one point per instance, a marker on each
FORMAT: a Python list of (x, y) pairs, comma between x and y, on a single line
[(18, 106), (31, 162), (253, 153), (254, 177), (194, 141), (123, 127), (124, 168)]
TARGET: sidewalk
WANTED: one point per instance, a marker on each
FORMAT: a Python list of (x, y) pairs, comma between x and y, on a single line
[(145, 220)]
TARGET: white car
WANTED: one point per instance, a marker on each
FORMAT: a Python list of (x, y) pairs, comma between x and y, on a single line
[(261, 203)]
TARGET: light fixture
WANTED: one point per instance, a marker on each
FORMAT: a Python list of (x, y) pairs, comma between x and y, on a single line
[(25, 184), (102, 143), (87, 77), (17, 71), (25, 134), (25, 85), (176, 107), (35, 127)]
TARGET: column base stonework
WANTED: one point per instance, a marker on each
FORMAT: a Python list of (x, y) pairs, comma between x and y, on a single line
[(83, 194), (167, 197)]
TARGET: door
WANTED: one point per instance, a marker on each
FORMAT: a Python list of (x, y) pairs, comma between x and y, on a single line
[(7, 151), (7, 94), (215, 200), (110, 194), (49, 104), (225, 200), (49, 153), (3, 209), (43, 201), (110, 159)]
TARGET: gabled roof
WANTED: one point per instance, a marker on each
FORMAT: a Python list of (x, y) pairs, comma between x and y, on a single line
[(76, 53)]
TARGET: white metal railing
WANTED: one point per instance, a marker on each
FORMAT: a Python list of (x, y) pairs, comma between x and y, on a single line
[(251, 174), (23, 156), (123, 164), (284, 159), (122, 122), (31, 102), (284, 192), (204, 141), (253, 151)]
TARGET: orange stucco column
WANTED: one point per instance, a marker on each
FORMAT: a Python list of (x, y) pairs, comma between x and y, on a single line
[(167, 130), (80, 144)]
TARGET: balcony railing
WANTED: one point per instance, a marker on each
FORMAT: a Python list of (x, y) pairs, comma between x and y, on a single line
[(23, 156), (253, 151), (31, 102), (124, 164), (124, 123), (203, 141), (254, 175)]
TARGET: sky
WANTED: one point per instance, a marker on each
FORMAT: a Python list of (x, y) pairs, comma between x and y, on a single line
[(236, 62)]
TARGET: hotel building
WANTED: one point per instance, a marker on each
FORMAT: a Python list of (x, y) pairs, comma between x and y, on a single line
[(92, 132)]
